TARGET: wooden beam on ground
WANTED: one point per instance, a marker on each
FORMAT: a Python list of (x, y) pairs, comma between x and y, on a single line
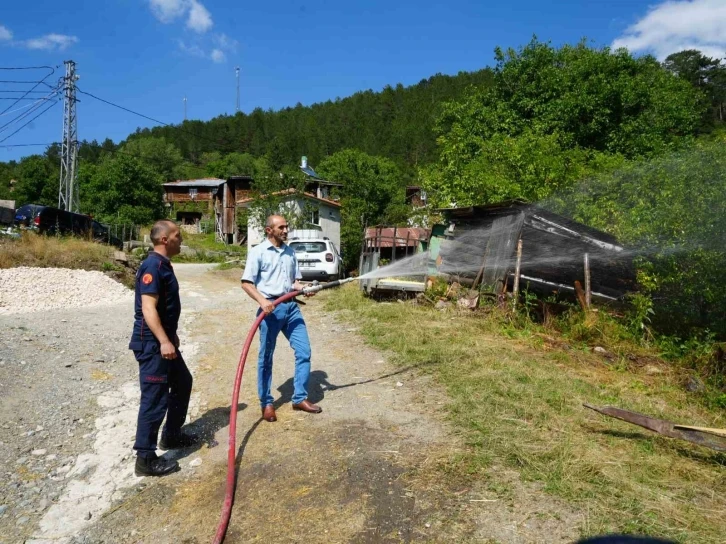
[(710, 438)]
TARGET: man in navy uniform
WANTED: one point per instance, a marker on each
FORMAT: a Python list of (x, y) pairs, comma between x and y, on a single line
[(270, 272), (166, 383)]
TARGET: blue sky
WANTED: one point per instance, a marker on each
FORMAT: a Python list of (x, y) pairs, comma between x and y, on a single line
[(147, 54)]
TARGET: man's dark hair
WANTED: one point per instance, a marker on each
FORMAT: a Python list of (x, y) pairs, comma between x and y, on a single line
[(160, 229)]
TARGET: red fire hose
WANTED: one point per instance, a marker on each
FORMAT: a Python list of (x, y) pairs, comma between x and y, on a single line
[(232, 453)]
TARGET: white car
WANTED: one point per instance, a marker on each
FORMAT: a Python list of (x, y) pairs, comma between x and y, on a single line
[(318, 259)]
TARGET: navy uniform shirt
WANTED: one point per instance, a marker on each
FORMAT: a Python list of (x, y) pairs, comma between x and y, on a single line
[(156, 276)]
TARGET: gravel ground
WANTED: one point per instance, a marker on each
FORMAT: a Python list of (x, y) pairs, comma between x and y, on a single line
[(363, 471), (24, 289), (53, 366)]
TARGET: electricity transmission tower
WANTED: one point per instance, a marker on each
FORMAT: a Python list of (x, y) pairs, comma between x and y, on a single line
[(236, 70), (68, 194)]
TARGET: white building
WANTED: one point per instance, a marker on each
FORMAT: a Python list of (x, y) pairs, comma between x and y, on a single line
[(324, 216)]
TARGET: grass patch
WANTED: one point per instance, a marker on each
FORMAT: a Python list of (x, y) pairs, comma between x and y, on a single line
[(53, 252), (516, 391), (208, 250), (40, 251)]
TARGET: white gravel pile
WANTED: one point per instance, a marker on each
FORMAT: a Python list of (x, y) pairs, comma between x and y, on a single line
[(26, 289)]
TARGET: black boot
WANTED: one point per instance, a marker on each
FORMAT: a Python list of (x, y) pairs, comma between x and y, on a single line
[(154, 466), (177, 442)]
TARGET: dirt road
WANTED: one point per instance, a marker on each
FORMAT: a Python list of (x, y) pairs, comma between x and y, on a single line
[(370, 468)]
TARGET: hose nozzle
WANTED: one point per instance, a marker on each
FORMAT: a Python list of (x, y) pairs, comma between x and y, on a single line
[(315, 287)]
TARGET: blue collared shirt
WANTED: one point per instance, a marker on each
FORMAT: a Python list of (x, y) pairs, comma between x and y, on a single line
[(272, 270)]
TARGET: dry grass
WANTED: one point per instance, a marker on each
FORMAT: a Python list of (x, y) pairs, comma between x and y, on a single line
[(518, 401), (48, 251), (66, 252)]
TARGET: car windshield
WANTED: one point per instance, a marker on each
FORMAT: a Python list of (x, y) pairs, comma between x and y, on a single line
[(308, 247)]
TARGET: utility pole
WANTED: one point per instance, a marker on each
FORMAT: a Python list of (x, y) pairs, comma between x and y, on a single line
[(236, 70), (185, 107), (68, 193)]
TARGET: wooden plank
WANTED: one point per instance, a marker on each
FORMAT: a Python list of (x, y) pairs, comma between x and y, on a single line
[(517, 271), (580, 295), (717, 432), (588, 290), (665, 428)]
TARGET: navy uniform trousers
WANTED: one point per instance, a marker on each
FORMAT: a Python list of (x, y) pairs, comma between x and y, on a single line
[(166, 385)]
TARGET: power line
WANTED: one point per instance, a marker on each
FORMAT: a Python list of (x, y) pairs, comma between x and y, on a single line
[(179, 128), (26, 92), (7, 146), (33, 108), (28, 122), (124, 109), (25, 81), (27, 68), (26, 106), (52, 71), (16, 99)]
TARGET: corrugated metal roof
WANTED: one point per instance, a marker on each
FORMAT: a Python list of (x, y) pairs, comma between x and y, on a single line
[(292, 192), (383, 237), (204, 182)]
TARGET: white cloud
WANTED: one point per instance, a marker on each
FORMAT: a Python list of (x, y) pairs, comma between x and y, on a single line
[(168, 10), (676, 25), (5, 34), (225, 43), (218, 56), (50, 42), (200, 19), (193, 50)]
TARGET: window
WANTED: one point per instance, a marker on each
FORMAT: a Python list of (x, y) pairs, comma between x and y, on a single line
[(308, 247), (192, 193), (315, 217)]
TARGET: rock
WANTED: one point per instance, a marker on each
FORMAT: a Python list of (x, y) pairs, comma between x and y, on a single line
[(88, 516), (196, 463), (399, 384), (38, 452), (22, 520), (599, 349), (694, 384), (3, 508)]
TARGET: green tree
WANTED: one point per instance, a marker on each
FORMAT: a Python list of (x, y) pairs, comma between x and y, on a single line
[(672, 209), (551, 116), (232, 164), (160, 155), (704, 73), (121, 188), (373, 193), (37, 181)]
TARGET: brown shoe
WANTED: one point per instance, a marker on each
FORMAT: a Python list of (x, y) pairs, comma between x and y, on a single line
[(268, 413), (307, 406)]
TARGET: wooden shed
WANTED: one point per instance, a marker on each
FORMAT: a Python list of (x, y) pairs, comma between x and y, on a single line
[(479, 245)]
